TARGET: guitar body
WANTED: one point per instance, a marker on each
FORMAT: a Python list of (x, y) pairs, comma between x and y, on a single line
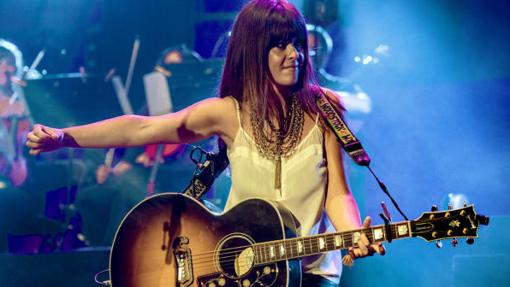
[(172, 239)]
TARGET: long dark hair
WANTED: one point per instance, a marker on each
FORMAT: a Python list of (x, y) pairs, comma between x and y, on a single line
[(258, 27)]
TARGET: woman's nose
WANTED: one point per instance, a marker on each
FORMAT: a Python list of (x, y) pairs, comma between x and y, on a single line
[(292, 52)]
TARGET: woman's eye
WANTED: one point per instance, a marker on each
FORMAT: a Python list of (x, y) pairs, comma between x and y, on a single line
[(281, 45)]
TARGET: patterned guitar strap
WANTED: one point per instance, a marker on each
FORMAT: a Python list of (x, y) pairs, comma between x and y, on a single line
[(344, 135), (210, 169)]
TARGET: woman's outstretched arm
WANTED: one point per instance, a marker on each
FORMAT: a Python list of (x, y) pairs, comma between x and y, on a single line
[(193, 123)]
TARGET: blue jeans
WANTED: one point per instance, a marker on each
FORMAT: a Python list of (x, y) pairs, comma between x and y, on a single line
[(310, 280)]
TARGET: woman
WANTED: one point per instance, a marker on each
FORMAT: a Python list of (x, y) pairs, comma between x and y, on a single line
[(13, 123), (278, 147)]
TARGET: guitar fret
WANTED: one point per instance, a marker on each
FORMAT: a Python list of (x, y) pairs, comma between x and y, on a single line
[(271, 252), (261, 250), (299, 247), (303, 246), (262, 255), (332, 245), (347, 239), (338, 240), (315, 245), (255, 250), (288, 248), (378, 234), (403, 230), (281, 250), (327, 240), (322, 243)]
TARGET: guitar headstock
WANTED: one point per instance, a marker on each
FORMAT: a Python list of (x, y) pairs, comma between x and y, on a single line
[(455, 223)]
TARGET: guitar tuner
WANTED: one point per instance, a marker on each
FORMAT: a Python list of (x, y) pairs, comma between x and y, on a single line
[(439, 244), (484, 220), (470, 241), (455, 242), (434, 208)]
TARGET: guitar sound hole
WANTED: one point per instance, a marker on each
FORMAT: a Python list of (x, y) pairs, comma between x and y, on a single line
[(235, 256)]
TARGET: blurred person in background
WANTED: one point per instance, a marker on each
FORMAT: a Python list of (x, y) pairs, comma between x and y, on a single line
[(14, 124)]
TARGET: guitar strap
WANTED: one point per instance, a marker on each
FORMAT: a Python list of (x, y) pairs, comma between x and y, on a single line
[(348, 141), (344, 135), (208, 171)]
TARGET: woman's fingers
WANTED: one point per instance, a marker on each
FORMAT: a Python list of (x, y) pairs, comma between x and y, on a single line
[(365, 247), (379, 248), (363, 242), (43, 138), (34, 151)]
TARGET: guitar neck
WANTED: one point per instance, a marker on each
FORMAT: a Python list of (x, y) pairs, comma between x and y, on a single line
[(278, 250)]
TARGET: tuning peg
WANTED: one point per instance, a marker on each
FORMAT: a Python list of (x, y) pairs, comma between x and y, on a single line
[(450, 206), (470, 241), (439, 244), (455, 242), (484, 220), (434, 208)]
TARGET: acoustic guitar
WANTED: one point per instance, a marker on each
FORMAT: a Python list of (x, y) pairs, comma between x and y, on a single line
[(172, 239)]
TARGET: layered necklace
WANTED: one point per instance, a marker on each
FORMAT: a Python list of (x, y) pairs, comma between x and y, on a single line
[(275, 143)]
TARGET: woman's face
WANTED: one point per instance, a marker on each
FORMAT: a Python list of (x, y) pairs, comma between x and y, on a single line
[(285, 61), (7, 69)]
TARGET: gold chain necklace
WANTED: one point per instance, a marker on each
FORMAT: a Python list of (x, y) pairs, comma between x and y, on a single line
[(273, 142)]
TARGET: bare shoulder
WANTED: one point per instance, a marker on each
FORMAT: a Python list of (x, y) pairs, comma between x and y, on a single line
[(222, 112), (223, 109)]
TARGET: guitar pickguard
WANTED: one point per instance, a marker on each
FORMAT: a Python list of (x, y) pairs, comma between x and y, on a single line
[(259, 276)]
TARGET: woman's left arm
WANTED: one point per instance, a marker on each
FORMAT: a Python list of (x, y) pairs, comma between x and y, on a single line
[(340, 205)]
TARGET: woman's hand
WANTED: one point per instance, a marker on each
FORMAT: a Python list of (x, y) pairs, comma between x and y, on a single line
[(44, 139), (365, 248)]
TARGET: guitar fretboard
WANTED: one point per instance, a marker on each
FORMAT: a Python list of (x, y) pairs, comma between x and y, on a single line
[(272, 251)]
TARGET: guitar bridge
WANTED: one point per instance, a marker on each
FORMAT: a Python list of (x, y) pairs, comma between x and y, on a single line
[(182, 255)]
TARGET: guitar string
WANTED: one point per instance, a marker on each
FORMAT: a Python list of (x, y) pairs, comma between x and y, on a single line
[(224, 260), (232, 252), (261, 258), (308, 243), (305, 240), (231, 263)]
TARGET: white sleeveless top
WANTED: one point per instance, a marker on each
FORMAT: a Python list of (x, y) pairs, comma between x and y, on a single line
[(303, 188)]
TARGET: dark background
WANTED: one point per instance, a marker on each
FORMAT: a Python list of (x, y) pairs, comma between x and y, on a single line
[(439, 123)]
